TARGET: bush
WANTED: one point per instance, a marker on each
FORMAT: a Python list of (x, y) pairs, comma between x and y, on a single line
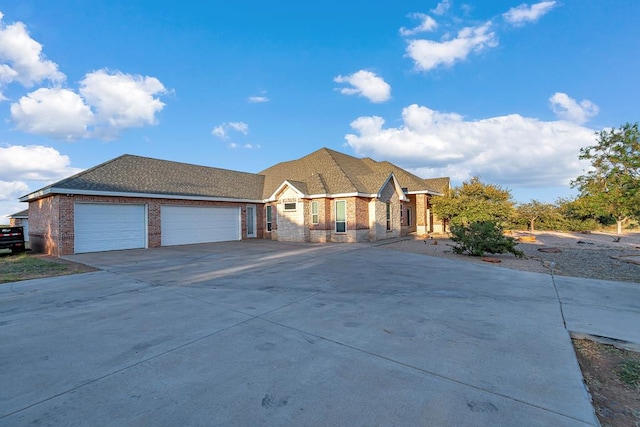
[(479, 238)]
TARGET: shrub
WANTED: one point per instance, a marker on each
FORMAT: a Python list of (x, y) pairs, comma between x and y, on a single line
[(479, 238)]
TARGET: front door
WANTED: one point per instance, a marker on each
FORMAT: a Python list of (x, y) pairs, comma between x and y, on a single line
[(251, 221)]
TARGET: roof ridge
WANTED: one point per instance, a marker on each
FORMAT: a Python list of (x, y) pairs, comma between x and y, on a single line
[(330, 152)]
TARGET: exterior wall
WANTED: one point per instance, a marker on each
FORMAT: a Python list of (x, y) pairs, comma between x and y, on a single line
[(52, 219), (406, 226), (44, 224), (357, 221), (378, 214), (291, 224), (320, 232), (15, 222), (273, 234)]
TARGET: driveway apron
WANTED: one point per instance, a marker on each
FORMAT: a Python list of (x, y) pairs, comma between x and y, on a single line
[(268, 333)]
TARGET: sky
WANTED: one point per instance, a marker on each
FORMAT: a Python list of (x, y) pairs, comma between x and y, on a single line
[(504, 90)]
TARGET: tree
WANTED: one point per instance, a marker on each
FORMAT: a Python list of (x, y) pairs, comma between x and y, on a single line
[(535, 210), (612, 185), (475, 201)]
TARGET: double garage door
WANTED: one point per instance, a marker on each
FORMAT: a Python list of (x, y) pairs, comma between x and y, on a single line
[(108, 227)]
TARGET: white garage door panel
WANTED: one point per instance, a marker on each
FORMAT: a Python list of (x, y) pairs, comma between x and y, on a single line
[(108, 227), (183, 225)]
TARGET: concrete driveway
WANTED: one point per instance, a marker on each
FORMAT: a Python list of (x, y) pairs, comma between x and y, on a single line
[(267, 333)]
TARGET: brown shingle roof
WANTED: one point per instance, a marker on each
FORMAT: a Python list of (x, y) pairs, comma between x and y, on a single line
[(135, 174), (324, 171), (441, 185), (339, 173)]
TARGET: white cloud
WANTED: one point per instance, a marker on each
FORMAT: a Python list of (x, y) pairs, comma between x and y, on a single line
[(34, 163), (429, 54), (107, 104), (427, 24), (122, 100), (258, 99), (240, 127), (222, 130), (568, 108), (509, 150), (11, 190), (366, 84), (22, 58), (441, 8), (219, 132), (57, 113), (524, 13)]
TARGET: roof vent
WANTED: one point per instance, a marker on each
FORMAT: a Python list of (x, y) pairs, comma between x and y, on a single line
[(405, 190)]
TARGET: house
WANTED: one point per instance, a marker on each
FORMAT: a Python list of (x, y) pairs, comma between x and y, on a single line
[(138, 202), (21, 219)]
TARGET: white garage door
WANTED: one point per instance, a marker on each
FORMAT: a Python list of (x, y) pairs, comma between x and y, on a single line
[(182, 225), (108, 227)]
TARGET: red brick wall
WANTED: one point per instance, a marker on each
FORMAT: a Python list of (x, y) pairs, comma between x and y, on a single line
[(52, 218), (44, 226)]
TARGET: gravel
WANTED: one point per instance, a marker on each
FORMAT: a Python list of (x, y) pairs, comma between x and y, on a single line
[(591, 255)]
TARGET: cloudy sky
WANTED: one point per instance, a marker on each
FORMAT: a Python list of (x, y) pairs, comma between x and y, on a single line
[(505, 90)]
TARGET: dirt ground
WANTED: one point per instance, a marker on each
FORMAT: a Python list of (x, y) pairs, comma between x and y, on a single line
[(593, 255)]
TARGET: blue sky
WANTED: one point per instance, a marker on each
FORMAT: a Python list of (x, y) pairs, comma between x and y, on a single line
[(506, 90)]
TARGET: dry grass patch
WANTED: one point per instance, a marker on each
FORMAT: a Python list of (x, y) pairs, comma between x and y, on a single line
[(613, 378), (26, 266)]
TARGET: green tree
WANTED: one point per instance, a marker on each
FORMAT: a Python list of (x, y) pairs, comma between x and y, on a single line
[(612, 185), (535, 210), (475, 201)]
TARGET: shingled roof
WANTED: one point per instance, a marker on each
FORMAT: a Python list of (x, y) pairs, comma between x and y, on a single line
[(441, 185), (143, 175), (330, 172), (324, 171)]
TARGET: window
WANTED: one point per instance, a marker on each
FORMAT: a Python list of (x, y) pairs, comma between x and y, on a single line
[(409, 217), (269, 217), (314, 213), (341, 216), (388, 216), (289, 206)]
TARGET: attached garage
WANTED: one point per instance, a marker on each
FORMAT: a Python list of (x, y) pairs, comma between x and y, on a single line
[(107, 227), (183, 225)]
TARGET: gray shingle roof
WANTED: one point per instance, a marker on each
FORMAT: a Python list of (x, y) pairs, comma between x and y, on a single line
[(21, 214)]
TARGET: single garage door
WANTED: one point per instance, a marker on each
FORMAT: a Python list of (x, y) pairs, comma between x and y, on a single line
[(109, 227), (183, 225)]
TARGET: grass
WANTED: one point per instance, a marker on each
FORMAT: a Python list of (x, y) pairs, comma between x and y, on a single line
[(630, 372), (25, 266)]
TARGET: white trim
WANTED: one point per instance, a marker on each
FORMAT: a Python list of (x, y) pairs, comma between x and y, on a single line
[(396, 184), (272, 198), (281, 187), (254, 220), (335, 217), (434, 193), (127, 194)]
